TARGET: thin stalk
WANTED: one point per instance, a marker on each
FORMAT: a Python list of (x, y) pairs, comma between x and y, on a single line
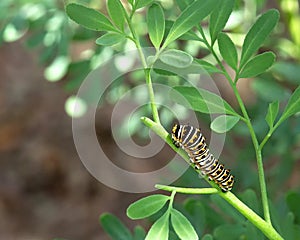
[(146, 70), (260, 167), (171, 200), (151, 95), (266, 138), (255, 219), (190, 190), (261, 175)]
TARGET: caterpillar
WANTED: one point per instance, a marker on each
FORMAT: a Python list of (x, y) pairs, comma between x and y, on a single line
[(192, 141)]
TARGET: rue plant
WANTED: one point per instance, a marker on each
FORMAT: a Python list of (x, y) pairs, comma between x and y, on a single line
[(119, 26)]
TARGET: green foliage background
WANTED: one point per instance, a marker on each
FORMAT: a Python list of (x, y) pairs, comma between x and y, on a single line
[(50, 31)]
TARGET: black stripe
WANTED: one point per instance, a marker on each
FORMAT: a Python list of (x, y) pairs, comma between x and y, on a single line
[(193, 142)]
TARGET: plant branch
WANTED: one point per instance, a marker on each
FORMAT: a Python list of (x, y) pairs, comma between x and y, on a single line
[(162, 133), (255, 219), (265, 226), (247, 120), (146, 69), (187, 190), (260, 167)]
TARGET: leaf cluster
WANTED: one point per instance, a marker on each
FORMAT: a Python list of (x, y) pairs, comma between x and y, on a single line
[(169, 61)]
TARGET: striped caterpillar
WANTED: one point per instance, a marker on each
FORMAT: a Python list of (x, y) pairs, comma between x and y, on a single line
[(192, 141)]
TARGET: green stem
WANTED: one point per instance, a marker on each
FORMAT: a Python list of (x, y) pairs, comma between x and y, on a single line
[(171, 200), (260, 167), (255, 219), (266, 138), (146, 70), (151, 95), (189, 191), (247, 120)]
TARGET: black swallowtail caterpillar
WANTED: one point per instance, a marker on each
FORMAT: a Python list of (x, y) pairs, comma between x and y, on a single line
[(193, 142)]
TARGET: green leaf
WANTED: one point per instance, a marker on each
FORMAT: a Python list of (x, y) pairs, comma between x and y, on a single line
[(190, 17), (131, 2), (258, 33), (272, 113), (219, 17), (114, 227), (147, 206), (292, 107), (269, 90), (160, 229), (89, 18), (139, 233), (182, 226), (195, 68), (227, 50), (142, 3), (183, 4), (208, 66), (156, 24), (109, 39), (190, 36), (201, 100), (116, 13), (257, 65), (224, 123), (176, 58)]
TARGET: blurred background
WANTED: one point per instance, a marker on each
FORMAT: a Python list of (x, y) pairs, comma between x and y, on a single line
[(46, 192)]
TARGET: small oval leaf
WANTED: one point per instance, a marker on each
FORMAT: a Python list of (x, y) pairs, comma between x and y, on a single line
[(116, 13), (190, 17), (182, 226), (227, 50), (257, 65), (219, 17), (224, 123), (183, 4), (160, 229), (208, 66), (272, 113), (156, 24), (114, 227), (196, 67), (147, 206), (258, 33), (190, 36), (110, 39), (143, 3), (292, 107), (89, 18), (201, 100), (176, 58)]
